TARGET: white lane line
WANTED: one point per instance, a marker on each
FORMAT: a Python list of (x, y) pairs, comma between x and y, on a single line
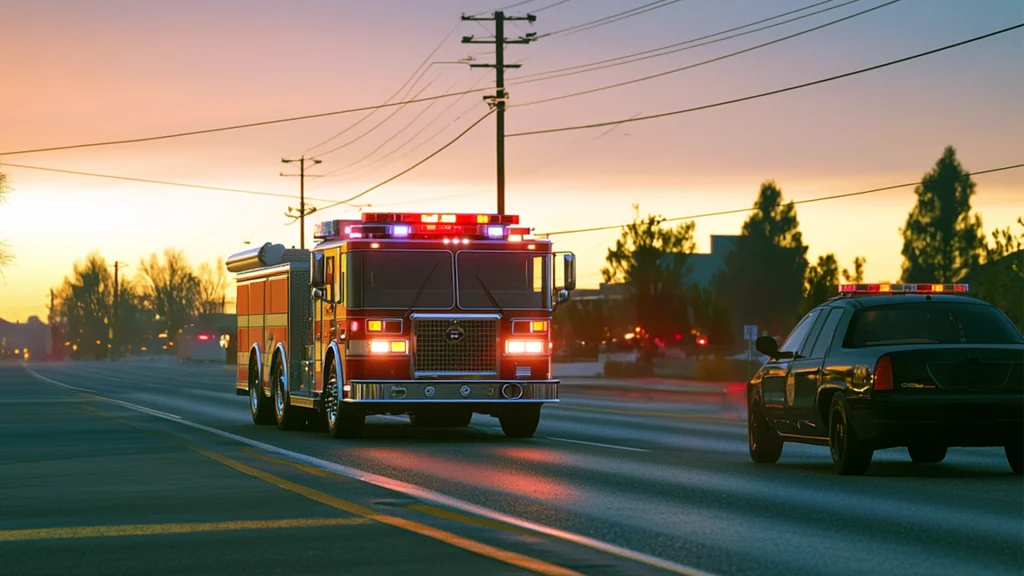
[(412, 490), (104, 398), (599, 445)]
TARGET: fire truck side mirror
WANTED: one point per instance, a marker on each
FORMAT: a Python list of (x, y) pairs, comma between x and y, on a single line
[(562, 297), (316, 270), (569, 271)]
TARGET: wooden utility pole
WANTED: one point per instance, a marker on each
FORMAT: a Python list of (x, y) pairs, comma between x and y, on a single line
[(302, 210), (500, 97), (117, 309)]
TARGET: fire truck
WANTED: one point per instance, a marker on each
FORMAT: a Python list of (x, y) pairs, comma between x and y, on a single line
[(434, 316)]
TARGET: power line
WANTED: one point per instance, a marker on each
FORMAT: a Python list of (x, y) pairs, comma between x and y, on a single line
[(378, 125), (698, 64), (597, 65), (411, 168), (423, 128), (397, 92), (241, 126), (549, 6), (772, 92), (612, 18), (795, 202), (161, 182), (387, 140)]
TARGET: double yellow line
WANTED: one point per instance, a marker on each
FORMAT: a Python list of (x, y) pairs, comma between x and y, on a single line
[(362, 513)]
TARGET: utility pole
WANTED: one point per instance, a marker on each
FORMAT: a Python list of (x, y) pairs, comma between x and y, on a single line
[(302, 211), (500, 96), (117, 308)]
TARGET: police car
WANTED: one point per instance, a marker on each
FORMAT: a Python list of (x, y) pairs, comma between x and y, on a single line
[(921, 366)]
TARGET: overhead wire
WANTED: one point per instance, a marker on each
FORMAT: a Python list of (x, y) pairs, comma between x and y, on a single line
[(397, 111), (387, 140), (701, 63), (397, 92), (771, 92), (238, 126), (420, 131), (667, 49), (411, 168), (612, 18), (794, 202), (549, 6), (160, 182)]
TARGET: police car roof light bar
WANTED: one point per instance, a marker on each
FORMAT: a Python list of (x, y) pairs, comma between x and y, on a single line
[(848, 289)]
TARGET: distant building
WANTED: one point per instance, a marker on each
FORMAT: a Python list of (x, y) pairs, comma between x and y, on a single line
[(28, 341), (700, 270)]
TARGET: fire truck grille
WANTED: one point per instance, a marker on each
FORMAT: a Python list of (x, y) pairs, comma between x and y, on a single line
[(456, 346)]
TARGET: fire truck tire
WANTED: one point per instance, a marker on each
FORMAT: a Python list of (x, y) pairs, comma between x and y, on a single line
[(344, 420), (520, 421), (287, 416), (261, 407)]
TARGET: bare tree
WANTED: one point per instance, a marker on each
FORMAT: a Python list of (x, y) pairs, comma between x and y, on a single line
[(171, 289), (213, 283)]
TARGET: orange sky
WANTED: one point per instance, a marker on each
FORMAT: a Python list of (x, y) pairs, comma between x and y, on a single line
[(116, 69)]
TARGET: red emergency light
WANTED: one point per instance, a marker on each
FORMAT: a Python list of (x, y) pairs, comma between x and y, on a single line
[(846, 289), (203, 337), (453, 227), (417, 218)]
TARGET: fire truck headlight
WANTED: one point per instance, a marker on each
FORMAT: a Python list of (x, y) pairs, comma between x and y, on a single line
[(524, 347), (389, 347)]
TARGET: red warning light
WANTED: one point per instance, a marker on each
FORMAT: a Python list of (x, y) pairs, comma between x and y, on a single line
[(679, 336), (203, 337), (702, 341)]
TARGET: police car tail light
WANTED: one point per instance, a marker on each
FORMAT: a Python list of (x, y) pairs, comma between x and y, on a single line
[(883, 374), (524, 347), (203, 337)]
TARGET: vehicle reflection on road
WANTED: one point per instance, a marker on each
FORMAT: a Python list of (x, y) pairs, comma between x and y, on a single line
[(505, 479)]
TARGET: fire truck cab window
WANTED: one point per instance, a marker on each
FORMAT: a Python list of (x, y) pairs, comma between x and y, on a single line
[(329, 278), (378, 279), (515, 280)]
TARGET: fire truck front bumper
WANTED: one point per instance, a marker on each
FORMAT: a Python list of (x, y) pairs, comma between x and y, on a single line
[(453, 391)]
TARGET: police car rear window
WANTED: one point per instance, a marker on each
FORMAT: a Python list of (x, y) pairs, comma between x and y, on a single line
[(930, 322)]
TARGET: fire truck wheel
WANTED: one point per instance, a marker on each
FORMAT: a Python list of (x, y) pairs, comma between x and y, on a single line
[(287, 416), (343, 420), (261, 407), (520, 421)]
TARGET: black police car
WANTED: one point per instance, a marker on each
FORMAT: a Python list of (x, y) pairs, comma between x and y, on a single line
[(888, 365)]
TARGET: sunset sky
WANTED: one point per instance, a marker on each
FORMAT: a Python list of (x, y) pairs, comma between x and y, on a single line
[(77, 71)]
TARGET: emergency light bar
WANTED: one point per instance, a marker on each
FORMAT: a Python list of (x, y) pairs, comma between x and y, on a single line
[(845, 289), (425, 226)]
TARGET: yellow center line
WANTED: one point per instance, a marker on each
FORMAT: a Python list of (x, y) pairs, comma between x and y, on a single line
[(506, 556), (467, 519), (74, 532)]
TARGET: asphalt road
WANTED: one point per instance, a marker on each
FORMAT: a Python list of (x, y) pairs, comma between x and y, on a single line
[(94, 486)]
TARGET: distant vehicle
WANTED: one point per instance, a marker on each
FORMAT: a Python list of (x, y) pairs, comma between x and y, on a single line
[(921, 366), (200, 343)]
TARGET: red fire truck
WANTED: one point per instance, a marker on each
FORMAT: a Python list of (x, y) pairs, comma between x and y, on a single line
[(438, 316)]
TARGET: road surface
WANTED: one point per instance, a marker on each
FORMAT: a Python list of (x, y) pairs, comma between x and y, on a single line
[(91, 483)]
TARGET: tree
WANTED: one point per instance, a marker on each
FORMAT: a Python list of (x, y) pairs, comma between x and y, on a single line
[(822, 280), (711, 317), (171, 290), (763, 278), (1004, 242), (942, 240), (84, 304), (6, 257), (213, 283), (651, 260)]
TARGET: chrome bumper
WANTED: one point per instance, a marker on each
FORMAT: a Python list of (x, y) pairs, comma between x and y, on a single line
[(453, 391)]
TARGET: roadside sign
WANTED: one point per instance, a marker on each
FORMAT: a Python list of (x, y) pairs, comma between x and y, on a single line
[(750, 332)]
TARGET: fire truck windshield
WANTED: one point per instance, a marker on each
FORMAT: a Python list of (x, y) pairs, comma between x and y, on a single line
[(517, 280), (390, 279)]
